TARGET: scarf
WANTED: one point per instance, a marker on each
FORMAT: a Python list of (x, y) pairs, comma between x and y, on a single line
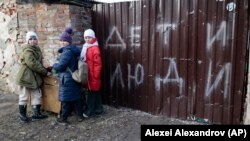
[(84, 49)]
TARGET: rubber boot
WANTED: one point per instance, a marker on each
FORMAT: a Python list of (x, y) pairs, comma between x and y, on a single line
[(22, 113), (36, 114)]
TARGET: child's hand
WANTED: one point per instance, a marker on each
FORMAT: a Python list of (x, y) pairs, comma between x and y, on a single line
[(49, 73)]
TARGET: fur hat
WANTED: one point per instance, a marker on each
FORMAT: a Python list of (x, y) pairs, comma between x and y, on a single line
[(89, 33), (69, 30), (30, 34), (65, 37)]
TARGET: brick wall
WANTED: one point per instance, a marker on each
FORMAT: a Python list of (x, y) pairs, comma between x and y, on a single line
[(49, 21)]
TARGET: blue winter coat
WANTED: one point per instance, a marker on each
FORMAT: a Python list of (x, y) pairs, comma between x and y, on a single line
[(69, 90)]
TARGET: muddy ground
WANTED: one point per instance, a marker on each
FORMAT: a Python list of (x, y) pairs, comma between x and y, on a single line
[(117, 124)]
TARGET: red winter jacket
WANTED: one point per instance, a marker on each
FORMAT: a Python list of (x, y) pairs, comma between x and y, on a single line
[(93, 59)]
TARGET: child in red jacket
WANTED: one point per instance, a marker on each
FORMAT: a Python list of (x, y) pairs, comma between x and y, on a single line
[(92, 56)]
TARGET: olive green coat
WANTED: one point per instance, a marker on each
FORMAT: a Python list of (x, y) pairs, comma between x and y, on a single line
[(32, 69)]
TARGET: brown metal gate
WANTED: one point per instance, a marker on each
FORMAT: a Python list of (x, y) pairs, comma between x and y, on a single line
[(179, 58)]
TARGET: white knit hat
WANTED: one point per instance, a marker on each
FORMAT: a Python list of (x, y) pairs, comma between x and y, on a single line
[(89, 33), (30, 34)]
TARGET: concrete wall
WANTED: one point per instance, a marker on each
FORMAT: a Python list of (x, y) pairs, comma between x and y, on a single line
[(48, 20)]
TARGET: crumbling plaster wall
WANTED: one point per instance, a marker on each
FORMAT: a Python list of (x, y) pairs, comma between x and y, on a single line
[(8, 44), (47, 20)]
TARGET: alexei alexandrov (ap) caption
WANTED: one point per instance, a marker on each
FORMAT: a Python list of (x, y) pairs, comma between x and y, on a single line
[(201, 133)]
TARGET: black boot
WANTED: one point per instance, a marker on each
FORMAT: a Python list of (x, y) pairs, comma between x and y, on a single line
[(36, 114), (22, 113), (62, 121)]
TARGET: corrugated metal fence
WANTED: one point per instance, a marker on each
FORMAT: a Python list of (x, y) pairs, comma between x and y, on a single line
[(179, 58)]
